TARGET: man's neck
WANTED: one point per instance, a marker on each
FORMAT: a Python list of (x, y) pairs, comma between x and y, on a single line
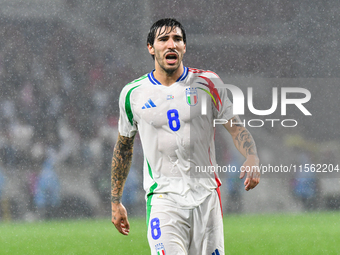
[(165, 78)]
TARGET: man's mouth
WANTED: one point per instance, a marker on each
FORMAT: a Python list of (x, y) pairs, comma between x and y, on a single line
[(171, 58)]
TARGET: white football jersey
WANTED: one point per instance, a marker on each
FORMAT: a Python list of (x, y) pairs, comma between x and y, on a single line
[(175, 124)]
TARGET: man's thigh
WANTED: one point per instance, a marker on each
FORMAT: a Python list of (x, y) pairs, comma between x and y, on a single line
[(169, 230), (207, 232)]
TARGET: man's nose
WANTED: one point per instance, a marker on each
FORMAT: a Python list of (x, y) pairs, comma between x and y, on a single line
[(171, 44)]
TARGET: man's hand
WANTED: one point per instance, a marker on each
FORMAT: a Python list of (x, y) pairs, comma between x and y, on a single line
[(119, 218), (251, 167)]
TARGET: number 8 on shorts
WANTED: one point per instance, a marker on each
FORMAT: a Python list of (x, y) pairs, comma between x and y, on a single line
[(155, 229)]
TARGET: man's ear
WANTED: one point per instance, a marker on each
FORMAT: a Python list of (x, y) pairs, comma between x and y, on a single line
[(185, 48), (151, 49)]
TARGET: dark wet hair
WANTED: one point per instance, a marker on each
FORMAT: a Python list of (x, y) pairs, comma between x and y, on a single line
[(169, 22)]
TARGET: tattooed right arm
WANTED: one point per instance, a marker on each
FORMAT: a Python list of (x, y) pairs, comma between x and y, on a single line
[(121, 162)]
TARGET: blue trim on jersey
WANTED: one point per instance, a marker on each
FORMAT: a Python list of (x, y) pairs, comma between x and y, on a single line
[(184, 75), (154, 81)]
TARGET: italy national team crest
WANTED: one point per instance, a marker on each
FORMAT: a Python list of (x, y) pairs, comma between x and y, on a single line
[(192, 96), (160, 249)]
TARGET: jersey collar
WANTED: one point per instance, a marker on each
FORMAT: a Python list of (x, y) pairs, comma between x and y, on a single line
[(154, 81)]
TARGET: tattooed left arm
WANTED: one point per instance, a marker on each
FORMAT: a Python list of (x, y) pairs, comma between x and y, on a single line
[(244, 142)]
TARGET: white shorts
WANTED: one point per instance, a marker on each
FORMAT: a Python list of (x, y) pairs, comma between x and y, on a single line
[(198, 231)]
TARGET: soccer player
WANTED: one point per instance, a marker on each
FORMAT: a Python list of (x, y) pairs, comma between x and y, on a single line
[(173, 107)]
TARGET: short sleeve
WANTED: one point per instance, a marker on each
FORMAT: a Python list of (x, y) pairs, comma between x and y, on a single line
[(127, 126), (225, 106)]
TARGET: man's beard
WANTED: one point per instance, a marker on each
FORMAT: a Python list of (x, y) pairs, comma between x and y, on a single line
[(167, 70)]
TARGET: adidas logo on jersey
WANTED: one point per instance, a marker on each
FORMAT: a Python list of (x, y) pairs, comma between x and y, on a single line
[(149, 104)]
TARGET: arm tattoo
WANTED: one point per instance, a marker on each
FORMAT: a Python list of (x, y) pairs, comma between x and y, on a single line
[(244, 140), (121, 162), (236, 121)]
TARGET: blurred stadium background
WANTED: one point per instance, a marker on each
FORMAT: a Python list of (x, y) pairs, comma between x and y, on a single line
[(64, 62)]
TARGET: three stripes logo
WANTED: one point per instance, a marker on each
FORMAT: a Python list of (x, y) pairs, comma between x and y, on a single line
[(149, 104), (215, 252)]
